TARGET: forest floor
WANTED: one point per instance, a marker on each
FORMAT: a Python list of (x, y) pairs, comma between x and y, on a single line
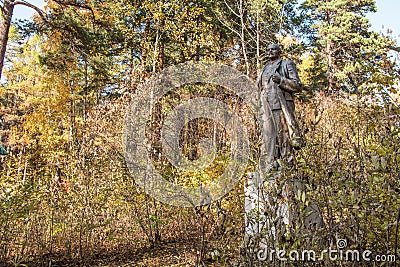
[(168, 254)]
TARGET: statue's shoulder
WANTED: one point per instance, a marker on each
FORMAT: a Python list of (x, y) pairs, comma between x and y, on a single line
[(288, 64)]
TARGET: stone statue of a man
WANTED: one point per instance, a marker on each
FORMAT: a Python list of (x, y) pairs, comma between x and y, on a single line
[(277, 82)]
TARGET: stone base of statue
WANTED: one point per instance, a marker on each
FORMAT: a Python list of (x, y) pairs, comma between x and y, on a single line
[(266, 216), (270, 215)]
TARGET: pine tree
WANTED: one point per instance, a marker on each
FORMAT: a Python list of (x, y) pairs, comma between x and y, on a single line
[(345, 51)]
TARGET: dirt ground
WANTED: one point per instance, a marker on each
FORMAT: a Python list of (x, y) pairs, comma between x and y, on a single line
[(168, 254)]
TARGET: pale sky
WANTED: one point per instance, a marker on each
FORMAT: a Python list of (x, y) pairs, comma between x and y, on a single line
[(388, 15), (24, 12)]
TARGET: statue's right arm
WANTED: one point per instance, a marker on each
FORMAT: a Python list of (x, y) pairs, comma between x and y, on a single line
[(292, 82)]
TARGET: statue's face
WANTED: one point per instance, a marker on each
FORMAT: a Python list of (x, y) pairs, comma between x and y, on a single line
[(273, 52)]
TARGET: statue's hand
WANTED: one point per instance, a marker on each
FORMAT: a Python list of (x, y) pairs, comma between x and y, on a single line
[(276, 78)]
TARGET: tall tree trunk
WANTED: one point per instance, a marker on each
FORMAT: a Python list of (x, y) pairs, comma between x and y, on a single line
[(161, 56), (145, 46), (5, 22), (329, 54), (258, 41), (243, 42), (330, 65)]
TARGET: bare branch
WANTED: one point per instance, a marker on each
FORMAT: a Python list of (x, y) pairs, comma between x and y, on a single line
[(74, 4), (229, 7), (228, 26), (397, 49), (38, 10)]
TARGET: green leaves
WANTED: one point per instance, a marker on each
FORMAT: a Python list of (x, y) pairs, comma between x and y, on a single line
[(2, 150), (347, 47), (351, 162)]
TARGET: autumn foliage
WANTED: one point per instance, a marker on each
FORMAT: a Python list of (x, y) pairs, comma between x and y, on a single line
[(66, 194)]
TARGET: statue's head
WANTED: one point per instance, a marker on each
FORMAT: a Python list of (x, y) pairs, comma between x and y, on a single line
[(273, 51)]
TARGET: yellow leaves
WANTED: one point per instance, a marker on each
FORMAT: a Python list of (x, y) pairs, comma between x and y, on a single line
[(304, 68), (43, 102), (50, 5), (13, 33), (301, 195), (286, 40)]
